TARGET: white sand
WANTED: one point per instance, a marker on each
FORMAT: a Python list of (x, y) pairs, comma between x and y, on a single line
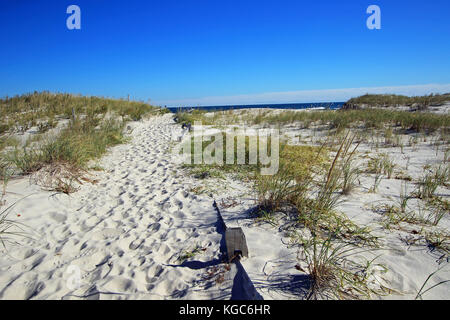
[(127, 233)]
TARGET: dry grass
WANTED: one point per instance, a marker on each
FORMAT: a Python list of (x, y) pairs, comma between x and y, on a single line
[(60, 177)]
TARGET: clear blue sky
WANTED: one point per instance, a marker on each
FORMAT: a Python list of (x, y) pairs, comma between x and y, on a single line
[(188, 49)]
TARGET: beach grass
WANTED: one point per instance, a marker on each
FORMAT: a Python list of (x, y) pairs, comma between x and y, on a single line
[(24, 111), (92, 125), (374, 118), (392, 100), (334, 276)]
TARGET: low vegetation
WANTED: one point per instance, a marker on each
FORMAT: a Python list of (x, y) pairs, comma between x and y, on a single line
[(303, 197), (343, 119), (392, 100), (89, 125), (20, 113)]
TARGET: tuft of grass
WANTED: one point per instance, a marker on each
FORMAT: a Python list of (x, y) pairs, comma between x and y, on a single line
[(350, 173), (298, 167), (404, 197), (334, 276), (439, 209), (276, 191), (381, 164), (10, 229), (394, 214), (426, 186)]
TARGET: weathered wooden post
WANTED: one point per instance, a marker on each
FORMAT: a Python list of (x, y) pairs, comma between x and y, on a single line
[(234, 239), (236, 243)]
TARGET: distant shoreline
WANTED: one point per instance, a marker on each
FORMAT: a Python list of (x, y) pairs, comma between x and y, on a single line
[(324, 105)]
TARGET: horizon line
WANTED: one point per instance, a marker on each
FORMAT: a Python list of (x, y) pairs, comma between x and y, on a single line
[(305, 96)]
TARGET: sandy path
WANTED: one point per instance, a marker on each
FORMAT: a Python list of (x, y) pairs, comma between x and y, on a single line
[(125, 234)]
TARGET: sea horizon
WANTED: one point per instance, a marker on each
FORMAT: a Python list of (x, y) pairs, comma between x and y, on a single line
[(311, 105)]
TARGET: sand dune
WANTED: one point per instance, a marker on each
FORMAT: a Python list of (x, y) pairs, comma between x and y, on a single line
[(125, 233)]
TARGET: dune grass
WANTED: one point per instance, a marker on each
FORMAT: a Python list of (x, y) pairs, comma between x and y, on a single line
[(392, 100), (95, 125), (22, 112), (81, 141), (333, 275), (334, 237), (342, 119)]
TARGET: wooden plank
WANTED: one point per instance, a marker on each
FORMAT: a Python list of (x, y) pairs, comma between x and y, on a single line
[(236, 243), (235, 240)]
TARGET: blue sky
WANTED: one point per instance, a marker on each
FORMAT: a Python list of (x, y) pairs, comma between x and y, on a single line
[(178, 52)]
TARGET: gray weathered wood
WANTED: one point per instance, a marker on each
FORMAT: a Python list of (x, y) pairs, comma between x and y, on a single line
[(236, 243)]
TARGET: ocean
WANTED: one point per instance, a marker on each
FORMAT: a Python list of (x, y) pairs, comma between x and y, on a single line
[(328, 105)]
